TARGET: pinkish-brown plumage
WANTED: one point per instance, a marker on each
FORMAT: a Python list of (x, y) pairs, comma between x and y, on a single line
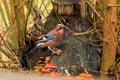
[(57, 32)]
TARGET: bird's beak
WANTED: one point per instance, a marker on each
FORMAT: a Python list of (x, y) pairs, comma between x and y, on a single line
[(61, 26)]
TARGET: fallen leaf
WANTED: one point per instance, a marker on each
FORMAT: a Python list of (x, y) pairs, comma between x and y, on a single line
[(47, 59), (54, 73), (36, 70), (84, 76), (50, 65), (79, 78), (39, 68), (44, 70)]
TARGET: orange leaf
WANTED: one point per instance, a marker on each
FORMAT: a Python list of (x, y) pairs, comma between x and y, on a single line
[(79, 78), (45, 70), (47, 59), (55, 74), (85, 75), (49, 66)]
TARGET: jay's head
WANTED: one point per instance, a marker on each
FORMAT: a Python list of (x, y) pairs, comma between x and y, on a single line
[(59, 27)]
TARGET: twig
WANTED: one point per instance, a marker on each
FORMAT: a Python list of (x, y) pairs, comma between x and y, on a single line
[(29, 12), (93, 8), (114, 5), (83, 33), (67, 72)]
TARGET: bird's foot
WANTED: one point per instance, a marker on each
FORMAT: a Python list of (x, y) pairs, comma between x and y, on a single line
[(55, 50), (58, 52)]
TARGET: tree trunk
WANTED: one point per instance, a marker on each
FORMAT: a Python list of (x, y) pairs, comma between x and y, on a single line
[(18, 15), (19, 24), (82, 9), (109, 42)]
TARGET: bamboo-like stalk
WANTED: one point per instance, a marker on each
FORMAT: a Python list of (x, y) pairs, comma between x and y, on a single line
[(28, 13), (15, 27), (6, 25), (3, 16), (11, 31), (20, 21), (7, 11), (7, 54)]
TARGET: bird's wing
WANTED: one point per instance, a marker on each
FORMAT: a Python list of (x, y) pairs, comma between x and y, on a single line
[(45, 38), (51, 33)]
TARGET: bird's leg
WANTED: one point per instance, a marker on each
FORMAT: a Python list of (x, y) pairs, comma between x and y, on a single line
[(55, 49), (52, 50)]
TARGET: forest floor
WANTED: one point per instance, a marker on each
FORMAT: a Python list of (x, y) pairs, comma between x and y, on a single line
[(37, 76), (25, 76)]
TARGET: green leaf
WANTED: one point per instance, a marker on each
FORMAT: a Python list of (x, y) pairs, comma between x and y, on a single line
[(36, 70)]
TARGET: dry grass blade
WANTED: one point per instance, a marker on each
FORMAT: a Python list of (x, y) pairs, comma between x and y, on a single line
[(14, 21)]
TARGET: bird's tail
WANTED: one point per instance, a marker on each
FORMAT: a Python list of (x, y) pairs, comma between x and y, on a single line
[(37, 46)]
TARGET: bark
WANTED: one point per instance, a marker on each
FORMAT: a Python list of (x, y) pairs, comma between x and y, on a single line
[(17, 11), (22, 20), (109, 42), (82, 9), (13, 16)]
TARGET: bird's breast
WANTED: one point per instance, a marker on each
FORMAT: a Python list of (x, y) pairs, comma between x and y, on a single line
[(48, 43)]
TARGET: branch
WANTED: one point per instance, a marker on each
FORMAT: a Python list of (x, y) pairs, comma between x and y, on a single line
[(93, 8)]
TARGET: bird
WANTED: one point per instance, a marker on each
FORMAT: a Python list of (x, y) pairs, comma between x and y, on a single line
[(41, 42), (50, 39)]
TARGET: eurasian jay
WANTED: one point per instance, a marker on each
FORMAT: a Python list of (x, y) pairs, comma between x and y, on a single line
[(50, 39)]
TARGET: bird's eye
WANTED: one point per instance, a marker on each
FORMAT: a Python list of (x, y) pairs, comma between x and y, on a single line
[(60, 28)]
